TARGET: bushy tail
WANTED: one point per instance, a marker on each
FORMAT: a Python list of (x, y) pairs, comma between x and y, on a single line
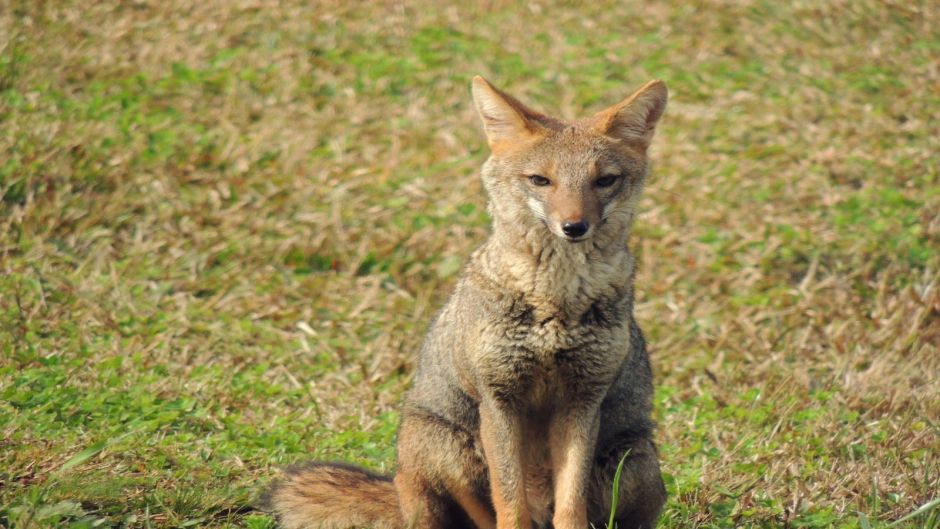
[(334, 496)]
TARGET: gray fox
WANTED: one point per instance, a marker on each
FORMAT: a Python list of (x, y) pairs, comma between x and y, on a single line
[(534, 381)]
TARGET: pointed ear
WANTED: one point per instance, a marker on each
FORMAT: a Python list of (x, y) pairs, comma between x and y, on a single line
[(633, 120), (505, 119)]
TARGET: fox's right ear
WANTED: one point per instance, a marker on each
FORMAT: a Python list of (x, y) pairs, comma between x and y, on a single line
[(505, 119)]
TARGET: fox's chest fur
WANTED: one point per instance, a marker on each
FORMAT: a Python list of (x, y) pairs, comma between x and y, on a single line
[(552, 330), (558, 331)]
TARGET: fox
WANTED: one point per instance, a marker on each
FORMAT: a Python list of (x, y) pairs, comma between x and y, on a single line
[(533, 384)]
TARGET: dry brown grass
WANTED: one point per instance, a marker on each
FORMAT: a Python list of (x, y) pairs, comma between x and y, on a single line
[(225, 225)]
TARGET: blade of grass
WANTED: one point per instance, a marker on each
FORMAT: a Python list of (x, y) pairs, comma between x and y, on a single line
[(616, 490), (925, 508), (83, 456)]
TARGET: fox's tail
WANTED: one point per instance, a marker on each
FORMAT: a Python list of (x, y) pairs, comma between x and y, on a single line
[(334, 496)]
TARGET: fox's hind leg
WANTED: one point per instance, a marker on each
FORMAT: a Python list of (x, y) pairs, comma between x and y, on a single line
[(641, 493), (421, 506), (441, 479)]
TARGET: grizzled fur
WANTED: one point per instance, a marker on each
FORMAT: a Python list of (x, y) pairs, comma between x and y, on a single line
[(534, 380), (320, 494)]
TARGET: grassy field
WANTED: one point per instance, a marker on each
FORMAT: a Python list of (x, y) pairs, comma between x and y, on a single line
[(224, 227)]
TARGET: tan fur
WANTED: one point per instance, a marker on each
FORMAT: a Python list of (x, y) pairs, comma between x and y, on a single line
[(319, 496), (534, 380)]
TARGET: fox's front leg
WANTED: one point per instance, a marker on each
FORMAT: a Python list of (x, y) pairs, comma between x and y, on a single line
[(572, 440), (501, 433)]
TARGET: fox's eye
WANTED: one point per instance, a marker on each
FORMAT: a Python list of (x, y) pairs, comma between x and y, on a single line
[(539, 180), (606, 180)]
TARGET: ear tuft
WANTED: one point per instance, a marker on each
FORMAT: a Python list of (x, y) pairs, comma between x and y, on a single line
[(634, 119), (504, 117)]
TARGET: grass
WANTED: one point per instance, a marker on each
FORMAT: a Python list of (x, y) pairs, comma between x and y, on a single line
[(224, 228)]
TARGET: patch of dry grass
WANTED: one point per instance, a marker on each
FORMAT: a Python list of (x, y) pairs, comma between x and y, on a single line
[(224, 227)]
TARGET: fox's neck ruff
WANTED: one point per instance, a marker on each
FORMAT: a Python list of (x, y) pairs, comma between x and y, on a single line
[(555, 273)]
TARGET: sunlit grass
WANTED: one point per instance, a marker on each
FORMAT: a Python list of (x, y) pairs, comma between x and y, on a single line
[(224, 228)]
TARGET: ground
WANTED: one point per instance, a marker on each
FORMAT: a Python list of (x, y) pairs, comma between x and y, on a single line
[(224, 227)]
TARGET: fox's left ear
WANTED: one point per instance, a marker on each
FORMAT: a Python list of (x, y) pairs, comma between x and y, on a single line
[(634, 119)]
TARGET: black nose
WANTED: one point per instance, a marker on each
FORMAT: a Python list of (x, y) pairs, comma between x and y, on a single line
[(575, 229)]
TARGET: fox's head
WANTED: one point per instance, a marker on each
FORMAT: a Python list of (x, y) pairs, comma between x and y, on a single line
[(573, 177)]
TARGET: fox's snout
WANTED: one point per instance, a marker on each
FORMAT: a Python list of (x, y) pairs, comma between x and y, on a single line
[(572, 229), (575, 230), (571, 214)]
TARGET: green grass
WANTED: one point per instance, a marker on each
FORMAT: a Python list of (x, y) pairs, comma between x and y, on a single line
[(224, 229)]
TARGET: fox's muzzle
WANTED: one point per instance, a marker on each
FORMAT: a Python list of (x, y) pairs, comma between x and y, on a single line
[(576, 229)]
